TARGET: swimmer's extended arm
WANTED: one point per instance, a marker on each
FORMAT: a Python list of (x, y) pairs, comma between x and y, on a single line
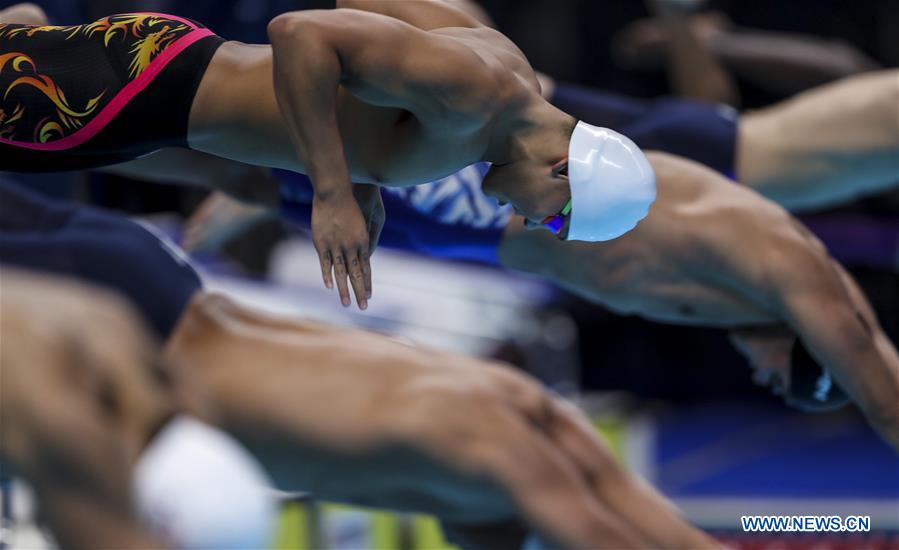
[(833, 318), (789, 271), (381, 424), (825, 146)]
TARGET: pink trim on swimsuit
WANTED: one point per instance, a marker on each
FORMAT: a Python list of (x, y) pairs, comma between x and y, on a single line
[(125, 95)]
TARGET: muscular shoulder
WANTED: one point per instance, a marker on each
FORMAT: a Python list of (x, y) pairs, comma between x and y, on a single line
[(495, 75), (497, 51)]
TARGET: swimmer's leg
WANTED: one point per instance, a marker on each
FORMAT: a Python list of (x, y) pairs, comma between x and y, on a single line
[(825, 146)]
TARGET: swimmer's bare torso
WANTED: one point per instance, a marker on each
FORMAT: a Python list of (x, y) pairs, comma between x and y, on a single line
[(470, 84)]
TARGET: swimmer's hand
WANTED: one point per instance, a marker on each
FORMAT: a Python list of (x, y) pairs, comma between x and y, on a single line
[(369, 199), (768, 350), (340, 233)]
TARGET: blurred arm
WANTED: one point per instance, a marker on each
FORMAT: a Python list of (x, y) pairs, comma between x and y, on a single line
[(381, 425), (786, 63), (788, 271), (825, 146), (695, 72), (830, 314), (781, 63)]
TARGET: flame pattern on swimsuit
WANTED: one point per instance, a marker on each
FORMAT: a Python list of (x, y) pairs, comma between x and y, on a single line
[(62, 86)]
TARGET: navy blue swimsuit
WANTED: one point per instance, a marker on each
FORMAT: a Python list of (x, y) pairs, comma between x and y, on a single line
[(98, 247)]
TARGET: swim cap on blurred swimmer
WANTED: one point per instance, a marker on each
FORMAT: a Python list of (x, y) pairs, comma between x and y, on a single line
[(612, 184), (199, 488)]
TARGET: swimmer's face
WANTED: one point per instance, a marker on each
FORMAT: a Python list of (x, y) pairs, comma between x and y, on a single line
[(535, 190)]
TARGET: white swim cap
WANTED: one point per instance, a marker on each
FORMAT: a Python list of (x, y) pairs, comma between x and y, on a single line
[(200, 488), (612, 184)]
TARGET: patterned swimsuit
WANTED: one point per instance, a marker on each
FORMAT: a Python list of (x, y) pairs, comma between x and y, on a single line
[(98, 94)]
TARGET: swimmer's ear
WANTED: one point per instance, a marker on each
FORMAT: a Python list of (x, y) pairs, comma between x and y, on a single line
[(560, 169)]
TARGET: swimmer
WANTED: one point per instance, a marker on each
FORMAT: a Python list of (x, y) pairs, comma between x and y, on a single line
[(356, 96), (719, 255), (90, 422), (385, 424), (691, 263), (711, 254), (389, 425), (74, 451), (127, 477)]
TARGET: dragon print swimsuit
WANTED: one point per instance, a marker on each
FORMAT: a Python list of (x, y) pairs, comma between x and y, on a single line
[(92, 95)]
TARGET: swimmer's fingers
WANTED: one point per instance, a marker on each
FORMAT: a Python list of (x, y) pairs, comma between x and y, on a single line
[(567, 430), (551, 493), (327, 265), (767, 349), (647, 512), (357, 267), (562, 423), (365, 256), (339, 228), (340, 273), (574, 435)]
